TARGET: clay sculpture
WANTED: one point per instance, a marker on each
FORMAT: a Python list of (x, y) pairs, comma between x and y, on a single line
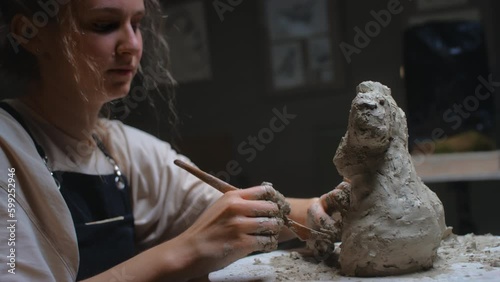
[(394, 223)]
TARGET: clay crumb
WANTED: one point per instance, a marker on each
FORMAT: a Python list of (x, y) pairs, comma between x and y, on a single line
[(257, 261), (295, 255)]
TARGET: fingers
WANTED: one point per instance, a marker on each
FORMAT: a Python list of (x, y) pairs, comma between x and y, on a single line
[(266, 225), (254, 208), (265, 192), (267, 243), (257, 243), (318, 219), (257, 225), (278, 198), (261, 234), (258, 193), (326, 215), (322, 249), (255, 217), (337, 199)]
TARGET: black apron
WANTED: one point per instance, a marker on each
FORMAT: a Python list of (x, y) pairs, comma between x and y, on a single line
[(101, 212)]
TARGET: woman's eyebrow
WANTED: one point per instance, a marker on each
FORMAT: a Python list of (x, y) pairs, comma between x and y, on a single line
[(116, 11)]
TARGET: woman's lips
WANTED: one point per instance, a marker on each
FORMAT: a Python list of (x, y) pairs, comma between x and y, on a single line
[(122, 72)]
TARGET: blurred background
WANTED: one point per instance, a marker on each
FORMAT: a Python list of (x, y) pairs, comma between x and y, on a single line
[(265, 89)]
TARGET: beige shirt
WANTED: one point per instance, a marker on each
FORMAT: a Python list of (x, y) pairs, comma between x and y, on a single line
[(43, 244)]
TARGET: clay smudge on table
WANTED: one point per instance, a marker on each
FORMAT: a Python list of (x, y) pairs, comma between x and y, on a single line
[(455, 253)]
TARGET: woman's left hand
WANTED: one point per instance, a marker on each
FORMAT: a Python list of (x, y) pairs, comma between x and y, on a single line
[(325, 214)]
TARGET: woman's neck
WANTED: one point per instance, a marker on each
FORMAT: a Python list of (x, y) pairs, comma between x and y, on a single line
[(70, 112)]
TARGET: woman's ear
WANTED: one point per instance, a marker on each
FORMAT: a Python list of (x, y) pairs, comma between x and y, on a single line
[(24, 34)]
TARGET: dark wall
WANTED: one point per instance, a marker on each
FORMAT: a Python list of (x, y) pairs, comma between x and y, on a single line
[(220, 114), (237, 101)]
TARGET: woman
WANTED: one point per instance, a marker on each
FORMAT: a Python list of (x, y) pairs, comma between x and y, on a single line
[(96, 199)]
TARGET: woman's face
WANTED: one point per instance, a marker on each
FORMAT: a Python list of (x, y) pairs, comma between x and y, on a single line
[(110, 37)]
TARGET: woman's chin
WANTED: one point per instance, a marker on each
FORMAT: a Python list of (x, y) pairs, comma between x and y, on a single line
[(117, 91)]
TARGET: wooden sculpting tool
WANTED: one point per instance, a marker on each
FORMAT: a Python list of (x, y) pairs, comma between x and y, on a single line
[(302, 232)]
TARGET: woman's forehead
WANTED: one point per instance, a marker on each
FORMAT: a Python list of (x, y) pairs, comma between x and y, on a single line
[(119, 5)]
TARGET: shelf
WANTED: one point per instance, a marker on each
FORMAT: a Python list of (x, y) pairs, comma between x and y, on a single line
[(470, 166)]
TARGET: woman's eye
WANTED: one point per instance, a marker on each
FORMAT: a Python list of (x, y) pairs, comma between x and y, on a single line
[(136, 26), (104, 27)]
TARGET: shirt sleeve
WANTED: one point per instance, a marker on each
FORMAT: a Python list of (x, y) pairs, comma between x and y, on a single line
[(38, 241), (26, 254), (166, 199)]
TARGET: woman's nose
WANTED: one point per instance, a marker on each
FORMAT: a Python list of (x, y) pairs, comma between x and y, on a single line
[(130, 42)]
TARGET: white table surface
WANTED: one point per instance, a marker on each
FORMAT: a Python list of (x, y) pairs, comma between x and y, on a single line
[(470, 266)]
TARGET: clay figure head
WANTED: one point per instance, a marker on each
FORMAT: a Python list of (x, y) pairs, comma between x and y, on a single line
[(375, 124), (373, 115)]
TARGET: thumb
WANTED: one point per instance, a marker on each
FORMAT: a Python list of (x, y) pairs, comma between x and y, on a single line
[(338, 199)]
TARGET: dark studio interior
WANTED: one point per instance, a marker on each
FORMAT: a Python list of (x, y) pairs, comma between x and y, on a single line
[(250, 114)]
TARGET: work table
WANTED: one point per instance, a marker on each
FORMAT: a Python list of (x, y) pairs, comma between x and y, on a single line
[(460, 258)]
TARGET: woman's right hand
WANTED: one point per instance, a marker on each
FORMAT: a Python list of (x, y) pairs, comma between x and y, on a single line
[(239, 223)]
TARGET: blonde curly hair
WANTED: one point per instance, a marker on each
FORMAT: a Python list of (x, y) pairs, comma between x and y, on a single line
[(18, 66)]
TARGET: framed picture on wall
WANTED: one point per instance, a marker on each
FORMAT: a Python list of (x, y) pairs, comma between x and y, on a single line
[(188, 41), (301, 40), (287, 65), (296, 19), (321, 67)]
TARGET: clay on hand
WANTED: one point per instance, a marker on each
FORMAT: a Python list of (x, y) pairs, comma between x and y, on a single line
[(394, 223), (326, 215), (284, 209), (240, 222), (273, 195)]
